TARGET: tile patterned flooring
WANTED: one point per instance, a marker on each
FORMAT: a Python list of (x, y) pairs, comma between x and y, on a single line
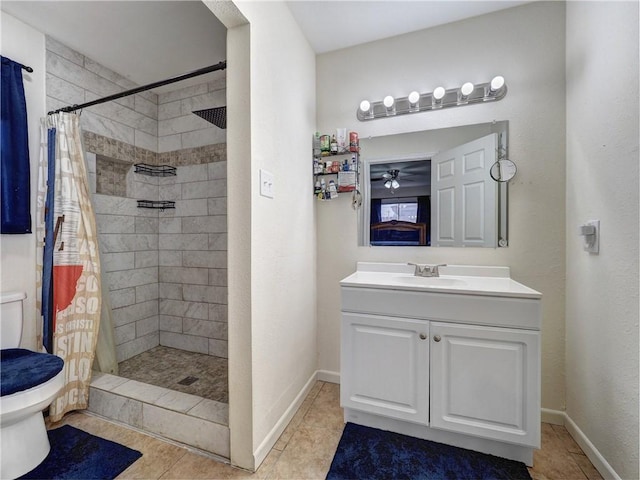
[(166, 367), (305, 449)]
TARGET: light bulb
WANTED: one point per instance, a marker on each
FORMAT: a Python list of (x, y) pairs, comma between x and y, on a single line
[(395, 184), (467, 89), (388, 101), (365, 106), (387, 184), (439, 93), (497, 83), (414, 97)]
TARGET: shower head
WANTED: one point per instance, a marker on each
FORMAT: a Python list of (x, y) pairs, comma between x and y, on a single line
[(216, 115)]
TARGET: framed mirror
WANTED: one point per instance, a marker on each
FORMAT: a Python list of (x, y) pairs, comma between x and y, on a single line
[(434, 188)]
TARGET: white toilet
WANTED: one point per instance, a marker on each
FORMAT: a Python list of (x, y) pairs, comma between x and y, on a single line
[(30, 382)]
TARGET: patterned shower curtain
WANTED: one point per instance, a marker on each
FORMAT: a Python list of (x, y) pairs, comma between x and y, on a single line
[(69, 274)]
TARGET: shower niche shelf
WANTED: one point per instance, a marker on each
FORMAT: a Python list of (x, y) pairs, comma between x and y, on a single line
[(156, 204), (155, 170)]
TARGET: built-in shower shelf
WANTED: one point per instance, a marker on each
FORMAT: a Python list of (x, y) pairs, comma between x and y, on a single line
[(157, 204), (155, 170)]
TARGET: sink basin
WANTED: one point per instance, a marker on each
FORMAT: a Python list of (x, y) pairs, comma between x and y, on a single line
[(431, 281), (454, 279)]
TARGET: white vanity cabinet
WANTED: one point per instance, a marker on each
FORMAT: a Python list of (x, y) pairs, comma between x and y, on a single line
[(484, 382), (383, 371), (454, 360)]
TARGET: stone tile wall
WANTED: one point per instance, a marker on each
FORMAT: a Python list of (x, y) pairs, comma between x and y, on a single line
[(73, 79), (128, 239), (178, 127), (166, 271), (193, 259)]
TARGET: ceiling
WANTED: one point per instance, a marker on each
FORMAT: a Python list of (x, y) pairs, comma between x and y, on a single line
[(148, 41), (332, 25)]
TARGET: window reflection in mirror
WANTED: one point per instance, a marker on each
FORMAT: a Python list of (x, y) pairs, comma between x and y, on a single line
[(460, 206)]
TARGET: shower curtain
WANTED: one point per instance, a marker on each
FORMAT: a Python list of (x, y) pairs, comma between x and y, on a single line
[(69, 278)]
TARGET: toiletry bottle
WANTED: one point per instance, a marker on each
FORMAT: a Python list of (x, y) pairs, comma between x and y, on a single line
[(317, 188), (345, 166), (334, 145), (333, 191), (354, 143), (316, 145), (325, 144)]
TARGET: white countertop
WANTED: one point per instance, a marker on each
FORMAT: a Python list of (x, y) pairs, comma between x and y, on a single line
[(454, 279)]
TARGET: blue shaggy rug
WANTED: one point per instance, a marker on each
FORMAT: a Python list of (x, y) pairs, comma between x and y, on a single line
[(76, 454), (369, 453)]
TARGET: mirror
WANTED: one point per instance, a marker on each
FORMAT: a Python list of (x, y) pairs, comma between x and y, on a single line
[(435, 188)]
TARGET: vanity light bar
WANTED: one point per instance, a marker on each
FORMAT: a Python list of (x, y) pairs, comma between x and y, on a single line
[(416, 102)]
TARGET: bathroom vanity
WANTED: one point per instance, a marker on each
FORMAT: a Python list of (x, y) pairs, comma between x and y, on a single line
[(453, 359)]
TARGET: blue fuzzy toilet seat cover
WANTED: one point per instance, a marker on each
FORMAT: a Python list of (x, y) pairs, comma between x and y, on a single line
[(22, 369)]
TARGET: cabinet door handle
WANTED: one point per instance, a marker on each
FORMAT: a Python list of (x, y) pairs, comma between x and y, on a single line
[(436, 338), (423, 336)]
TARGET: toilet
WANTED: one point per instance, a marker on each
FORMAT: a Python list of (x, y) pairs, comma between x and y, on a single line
[(29, 383)]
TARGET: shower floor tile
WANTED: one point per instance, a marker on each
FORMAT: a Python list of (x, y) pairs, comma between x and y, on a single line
[(167, 367)]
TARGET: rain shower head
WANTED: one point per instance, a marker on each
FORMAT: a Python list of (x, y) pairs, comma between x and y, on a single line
[(217, 116)]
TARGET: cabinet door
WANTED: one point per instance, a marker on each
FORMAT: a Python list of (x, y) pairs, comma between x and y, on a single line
[(385, 365), (485, 381)]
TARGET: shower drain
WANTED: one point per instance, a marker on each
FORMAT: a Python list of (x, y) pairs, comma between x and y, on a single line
[(188, 380)]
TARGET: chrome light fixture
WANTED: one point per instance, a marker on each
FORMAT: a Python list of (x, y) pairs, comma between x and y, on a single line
[(437, 96), (390, 105), (365, 108), (464, 92), (440, 98), (414, 101), (495, 87)]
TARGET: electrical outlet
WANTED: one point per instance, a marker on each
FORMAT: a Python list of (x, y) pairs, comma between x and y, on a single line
[(267, 187)]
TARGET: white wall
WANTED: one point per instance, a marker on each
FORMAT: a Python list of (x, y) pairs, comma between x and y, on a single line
[(526, 45), (602, 183), (283, 277), (272, 277), (25, 45)]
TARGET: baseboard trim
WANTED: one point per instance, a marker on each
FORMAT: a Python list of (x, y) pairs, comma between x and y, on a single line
[(558, 417), (589, 449), (328, 376), (555, 417), (272, 437)]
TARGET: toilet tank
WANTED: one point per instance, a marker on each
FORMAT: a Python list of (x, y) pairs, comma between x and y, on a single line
[(11, 318)]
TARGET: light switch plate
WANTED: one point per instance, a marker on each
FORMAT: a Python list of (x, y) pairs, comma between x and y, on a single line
[(592, 242), (267, 187)]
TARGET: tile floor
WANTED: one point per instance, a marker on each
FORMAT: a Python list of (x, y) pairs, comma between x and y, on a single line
[(166, 367), (305, 449)]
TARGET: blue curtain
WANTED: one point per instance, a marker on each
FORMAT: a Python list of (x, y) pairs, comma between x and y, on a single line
[(15, 187), (47, 263), (376, 210)]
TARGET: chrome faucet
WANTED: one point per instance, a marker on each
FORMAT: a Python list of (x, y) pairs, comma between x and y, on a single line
[(427, 270)]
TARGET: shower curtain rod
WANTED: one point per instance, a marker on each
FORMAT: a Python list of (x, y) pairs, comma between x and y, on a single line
[(28, 69), (212, 68)]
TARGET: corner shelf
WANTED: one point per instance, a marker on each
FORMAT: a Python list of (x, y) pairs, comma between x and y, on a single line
[(319, 160), (155, 170)]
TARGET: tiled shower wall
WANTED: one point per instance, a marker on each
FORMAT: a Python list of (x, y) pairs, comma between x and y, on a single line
[(193, 259), (147, 253)]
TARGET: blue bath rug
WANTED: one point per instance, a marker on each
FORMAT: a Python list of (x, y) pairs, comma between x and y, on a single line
[(76, 454), (369, 453)]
